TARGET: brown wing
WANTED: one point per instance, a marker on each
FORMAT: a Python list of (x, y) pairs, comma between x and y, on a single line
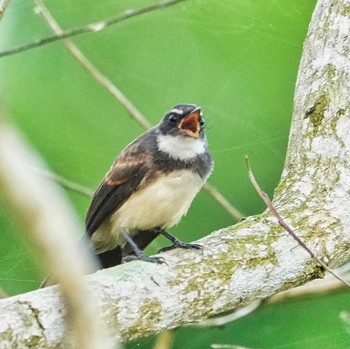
[(120, 182)]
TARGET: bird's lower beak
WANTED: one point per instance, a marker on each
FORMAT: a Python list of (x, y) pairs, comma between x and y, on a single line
[(189, 125)]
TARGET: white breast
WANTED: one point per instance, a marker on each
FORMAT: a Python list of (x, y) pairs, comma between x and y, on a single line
[(182, 148), (161, 203)]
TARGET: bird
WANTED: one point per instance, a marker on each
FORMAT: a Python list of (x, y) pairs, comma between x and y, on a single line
[(149, 188)]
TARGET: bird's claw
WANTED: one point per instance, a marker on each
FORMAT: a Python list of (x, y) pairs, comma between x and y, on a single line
[(180, 244), (157, 260)]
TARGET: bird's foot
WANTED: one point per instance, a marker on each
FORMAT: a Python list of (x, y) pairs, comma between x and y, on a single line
[(138, 254), (180, 244), (143, 257)]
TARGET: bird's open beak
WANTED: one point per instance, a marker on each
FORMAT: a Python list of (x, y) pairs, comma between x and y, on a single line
[(189, 125)]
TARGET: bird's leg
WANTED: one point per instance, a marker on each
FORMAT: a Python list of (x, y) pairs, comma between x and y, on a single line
[(176, 243), (139, 255)]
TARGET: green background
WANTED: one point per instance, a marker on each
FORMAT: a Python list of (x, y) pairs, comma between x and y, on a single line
[(237, 59)]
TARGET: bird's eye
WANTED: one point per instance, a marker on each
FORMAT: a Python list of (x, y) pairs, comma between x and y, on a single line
[(201, 121), (173, 118)]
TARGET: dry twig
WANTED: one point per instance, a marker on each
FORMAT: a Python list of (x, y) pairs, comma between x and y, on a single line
[(286, 227), (91, 69)]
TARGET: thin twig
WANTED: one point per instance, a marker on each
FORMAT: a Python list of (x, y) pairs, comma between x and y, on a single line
[(93, 27), (3, 6), (91, 69), (222, 201), (123, 100), (65, 183), (285, 226)]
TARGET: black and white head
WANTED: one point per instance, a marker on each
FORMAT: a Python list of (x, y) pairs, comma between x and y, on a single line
[(181, 132)]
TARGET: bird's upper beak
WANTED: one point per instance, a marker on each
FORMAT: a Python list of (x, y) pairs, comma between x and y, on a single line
[(189, 125)]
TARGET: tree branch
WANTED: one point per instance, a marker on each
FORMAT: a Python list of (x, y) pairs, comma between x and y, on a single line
[(255, 258)]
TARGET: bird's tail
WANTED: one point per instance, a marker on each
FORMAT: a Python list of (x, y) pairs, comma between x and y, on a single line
[(110, 258)]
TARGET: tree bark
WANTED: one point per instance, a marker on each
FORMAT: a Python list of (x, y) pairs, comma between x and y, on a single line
[(253, 259)]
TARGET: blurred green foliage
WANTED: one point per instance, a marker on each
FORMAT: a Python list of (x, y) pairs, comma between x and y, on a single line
[(237, 59)]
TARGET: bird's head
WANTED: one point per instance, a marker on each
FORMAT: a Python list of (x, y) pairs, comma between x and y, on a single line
[(181, 133), (183, 120)]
